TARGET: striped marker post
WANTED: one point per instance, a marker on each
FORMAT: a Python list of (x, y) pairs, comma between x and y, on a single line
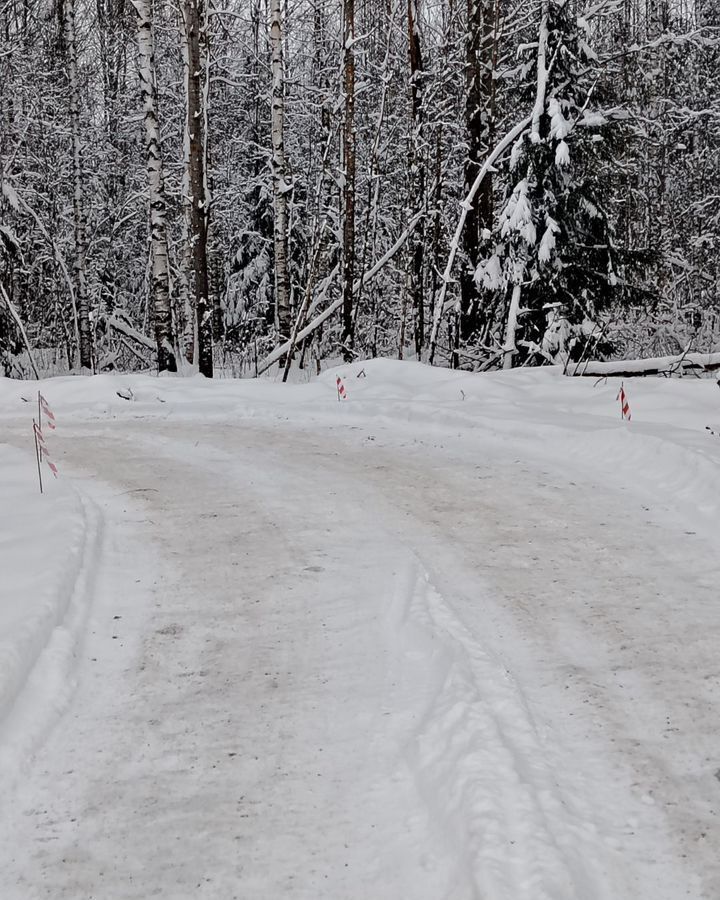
[(41, 452), (624, 405), (43, 407), (43, 410), (341, 392)]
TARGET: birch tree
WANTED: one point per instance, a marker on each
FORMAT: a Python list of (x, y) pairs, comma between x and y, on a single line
[(79, 219), (160, 285), (281, 183), (388, 111)]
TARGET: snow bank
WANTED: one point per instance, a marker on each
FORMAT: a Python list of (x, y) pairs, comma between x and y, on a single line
[(45, 570), (573, 423)]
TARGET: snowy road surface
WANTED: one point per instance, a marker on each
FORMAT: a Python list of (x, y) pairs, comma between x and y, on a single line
[(333, 655)]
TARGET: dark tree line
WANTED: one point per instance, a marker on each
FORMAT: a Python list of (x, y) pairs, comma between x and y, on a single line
[(220, 186)]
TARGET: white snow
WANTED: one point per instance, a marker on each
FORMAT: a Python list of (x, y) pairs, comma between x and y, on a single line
[(46, 565), (455, 637), (517, 215), (562, 155)]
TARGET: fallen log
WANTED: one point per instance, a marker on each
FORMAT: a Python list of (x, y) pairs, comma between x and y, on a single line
[(124, 327), (684, 364)]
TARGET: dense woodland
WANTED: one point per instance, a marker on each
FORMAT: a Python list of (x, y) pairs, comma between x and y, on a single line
[(218, 186)]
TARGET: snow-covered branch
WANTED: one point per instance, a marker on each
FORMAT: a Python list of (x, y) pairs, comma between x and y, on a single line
[(684, 364), (280, 351)]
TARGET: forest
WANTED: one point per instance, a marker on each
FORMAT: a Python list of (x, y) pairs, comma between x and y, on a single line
[(227, 187)]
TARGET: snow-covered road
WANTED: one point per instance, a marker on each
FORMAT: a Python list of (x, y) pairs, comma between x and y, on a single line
[(355, 658)]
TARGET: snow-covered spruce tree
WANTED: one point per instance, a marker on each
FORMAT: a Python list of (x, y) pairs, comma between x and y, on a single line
[(551, 254)]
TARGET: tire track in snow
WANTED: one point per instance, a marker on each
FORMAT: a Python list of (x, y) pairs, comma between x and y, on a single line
[(38, 678), (479, 762), (473, 748), (238, 755), (565, 806)]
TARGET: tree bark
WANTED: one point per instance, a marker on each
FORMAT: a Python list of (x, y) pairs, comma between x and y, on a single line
[(479, 48), (196, 199), (80, 227), (348, 191), (281, 186), (417, 175), (160, 288)]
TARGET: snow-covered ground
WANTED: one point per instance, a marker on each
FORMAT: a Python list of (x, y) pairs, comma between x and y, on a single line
[(455, 637)]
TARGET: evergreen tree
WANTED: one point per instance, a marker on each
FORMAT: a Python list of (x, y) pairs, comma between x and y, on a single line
[(552, 249)]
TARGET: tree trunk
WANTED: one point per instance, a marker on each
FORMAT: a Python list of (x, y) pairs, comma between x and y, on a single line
[(158, 228), (479, 48), (196, 198), (281, 187), (417, 175), (348, 191), (79, 263)]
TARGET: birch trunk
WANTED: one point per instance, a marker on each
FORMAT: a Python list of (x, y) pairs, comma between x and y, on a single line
[(348, 275), (196, 198), (185, 307), (160, 286), (79, 263), (281, 187)]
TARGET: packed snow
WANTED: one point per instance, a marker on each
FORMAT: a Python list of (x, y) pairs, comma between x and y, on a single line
[(454, 637)]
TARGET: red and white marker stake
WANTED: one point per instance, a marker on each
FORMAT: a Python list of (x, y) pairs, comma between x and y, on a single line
[(42, 451), (341, 392), (43, 410), (43, 407), (624, 405), (43, 446)]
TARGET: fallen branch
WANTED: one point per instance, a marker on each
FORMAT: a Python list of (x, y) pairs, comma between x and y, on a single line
[(127, 329), (304, 309), (441, 306), (16, 201), (21, 328), (660, 365), (280, 351)]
